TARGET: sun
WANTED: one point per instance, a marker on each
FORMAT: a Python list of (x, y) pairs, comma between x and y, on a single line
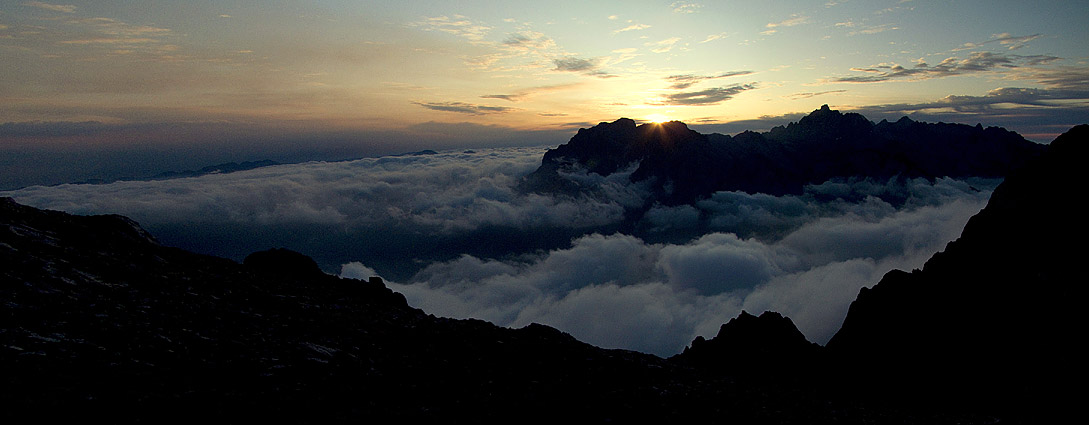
[(657, 118)]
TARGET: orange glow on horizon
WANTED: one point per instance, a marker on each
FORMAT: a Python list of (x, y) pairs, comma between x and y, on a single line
[(657, 118)]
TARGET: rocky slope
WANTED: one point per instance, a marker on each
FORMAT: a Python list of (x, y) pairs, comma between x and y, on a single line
[(999, 311)]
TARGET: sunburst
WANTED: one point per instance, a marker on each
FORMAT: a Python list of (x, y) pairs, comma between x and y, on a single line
[(657, 118)]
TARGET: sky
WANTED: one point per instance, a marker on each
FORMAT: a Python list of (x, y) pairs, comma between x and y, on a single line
[(118, 89), (168, 84)]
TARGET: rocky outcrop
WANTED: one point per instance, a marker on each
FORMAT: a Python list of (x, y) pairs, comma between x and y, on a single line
[(998, 312), (283, 262)]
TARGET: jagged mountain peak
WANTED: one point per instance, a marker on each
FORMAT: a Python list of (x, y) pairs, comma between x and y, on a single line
[(769, 343), (683, 166), (824, 124)]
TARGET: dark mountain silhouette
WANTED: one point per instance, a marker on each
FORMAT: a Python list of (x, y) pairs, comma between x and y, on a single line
[(768, 346), (999, 312), (224, 168), (990, 324), (101, 321), (683, 165)]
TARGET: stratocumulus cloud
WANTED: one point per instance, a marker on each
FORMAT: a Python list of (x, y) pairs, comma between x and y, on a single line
[(451, 232), (392, 210), (619, 291), (709, 96)]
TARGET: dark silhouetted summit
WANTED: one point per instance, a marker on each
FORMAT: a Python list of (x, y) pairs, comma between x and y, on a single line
[(683, 165), (768, 345)]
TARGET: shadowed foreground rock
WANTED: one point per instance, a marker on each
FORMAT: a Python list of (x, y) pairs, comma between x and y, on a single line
[(997, 318)]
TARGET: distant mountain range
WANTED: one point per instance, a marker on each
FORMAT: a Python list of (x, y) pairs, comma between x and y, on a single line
[(100, 322), (224, 168), (683, 165)]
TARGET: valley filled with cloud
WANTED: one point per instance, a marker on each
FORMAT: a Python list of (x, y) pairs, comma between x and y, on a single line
[(454, 234)]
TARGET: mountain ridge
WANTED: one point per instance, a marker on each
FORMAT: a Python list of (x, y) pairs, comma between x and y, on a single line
[(683, 166)]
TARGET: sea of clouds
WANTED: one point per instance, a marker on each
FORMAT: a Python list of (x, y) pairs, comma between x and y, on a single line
[(452, 232)]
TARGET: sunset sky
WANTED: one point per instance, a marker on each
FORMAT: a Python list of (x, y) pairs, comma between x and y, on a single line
[(120, 91), (322, 75)]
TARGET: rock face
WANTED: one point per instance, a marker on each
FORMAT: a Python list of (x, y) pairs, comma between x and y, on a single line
[(283, 262), (101, 321), (999, 311), (683, 165)]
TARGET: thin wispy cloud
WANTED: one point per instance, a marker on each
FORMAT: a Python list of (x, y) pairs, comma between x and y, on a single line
[(994, 101), (1006, 39), (808, 95), (621, 55), (97, 38), (63, 8), (464, 108), (458, 25), (710, 96), (509, 97), (684, 81), (105, 40), (1014, 42), (714, 37), (794, 20), (529, 41), (632, 27), (663, 46), (685, 7), (1070, 78), (523, 94), (581, 66), (975, 63), (865, 29)]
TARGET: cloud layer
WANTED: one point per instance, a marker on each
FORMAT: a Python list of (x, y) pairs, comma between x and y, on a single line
[(621, 291), (450, 232)]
